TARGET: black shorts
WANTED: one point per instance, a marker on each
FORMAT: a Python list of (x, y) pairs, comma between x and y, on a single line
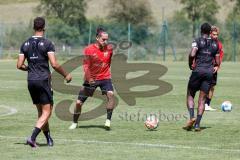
[(40, 91), (214, 81), (200, 81), (88, 90)]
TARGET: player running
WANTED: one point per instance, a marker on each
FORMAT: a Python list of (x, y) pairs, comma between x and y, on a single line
[(214, 35), (97, 72), (204, 51), (39, 51)]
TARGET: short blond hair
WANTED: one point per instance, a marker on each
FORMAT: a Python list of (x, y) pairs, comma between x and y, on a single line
[(215, 29)]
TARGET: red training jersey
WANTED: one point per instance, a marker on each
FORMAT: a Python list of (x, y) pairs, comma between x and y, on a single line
[(220, 51), (97, 62)]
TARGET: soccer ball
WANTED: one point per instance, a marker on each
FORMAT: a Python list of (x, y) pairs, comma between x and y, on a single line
[(226, 106), (151, 122)]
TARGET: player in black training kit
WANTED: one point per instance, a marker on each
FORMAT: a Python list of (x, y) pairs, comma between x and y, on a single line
[(203, 53), (39, 51)]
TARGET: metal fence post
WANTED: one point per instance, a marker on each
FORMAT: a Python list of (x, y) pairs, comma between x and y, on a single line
[(90, 33), (129, 38), (1, 40), (234, 42)]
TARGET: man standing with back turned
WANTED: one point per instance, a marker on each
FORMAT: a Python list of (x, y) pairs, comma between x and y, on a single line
[(204, 51), (39, 51)]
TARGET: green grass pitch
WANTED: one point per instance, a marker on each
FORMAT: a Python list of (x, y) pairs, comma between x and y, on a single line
[(128, 138)]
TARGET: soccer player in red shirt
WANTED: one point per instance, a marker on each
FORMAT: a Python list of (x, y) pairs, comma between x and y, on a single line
[(96, 66), (214, 35)]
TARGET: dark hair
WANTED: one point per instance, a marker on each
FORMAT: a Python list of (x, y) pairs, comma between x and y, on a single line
[(205, 28), (39, 24), (99, 31)]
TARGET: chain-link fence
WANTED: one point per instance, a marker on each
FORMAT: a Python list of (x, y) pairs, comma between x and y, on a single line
[(156, 43)]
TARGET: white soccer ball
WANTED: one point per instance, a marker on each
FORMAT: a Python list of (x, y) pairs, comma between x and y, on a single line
[(226, 106), (151, 122)]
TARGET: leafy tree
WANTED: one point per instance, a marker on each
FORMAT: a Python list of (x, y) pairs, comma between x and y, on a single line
[(62, 32), (179, 23), (236, 9), (72, 12), (234, 15), (200, 10), (14, 36), (179, 29), (233, 27), (136, 12)]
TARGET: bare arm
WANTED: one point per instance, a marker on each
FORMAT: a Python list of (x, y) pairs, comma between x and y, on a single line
[(191, 57), (221, 52), (58, 68), (218, 57), (20, 63), (217, 60)]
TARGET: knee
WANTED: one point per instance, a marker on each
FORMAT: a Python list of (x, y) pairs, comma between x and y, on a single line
[(46, 114), (111, 101), (79, 103), (201, 101), (110, 94)]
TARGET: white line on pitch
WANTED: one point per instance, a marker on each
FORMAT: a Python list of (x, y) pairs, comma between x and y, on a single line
[(135, 144), (11, 110)]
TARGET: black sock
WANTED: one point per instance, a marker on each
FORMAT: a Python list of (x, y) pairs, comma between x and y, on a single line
[(109, 113), (47, 134), (191, 112), (199, 117), (208, 101), (35, 133)]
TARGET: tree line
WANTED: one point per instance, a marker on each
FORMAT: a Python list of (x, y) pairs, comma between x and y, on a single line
[(67, 22)]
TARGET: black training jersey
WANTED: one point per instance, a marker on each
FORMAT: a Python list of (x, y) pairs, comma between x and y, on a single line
[(36, 50), (207, 50)]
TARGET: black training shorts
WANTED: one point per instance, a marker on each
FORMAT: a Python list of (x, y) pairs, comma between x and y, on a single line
[(200, 81), (88, 90), (40, 91)]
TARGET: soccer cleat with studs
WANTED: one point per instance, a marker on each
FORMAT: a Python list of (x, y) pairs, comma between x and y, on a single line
[(189, 124), (31, 143), (50, 141), (107, 124), (197, 128), (73, 126)]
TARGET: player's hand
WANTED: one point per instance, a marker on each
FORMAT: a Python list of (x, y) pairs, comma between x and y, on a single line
[(193, 66), (68, 78), (215, 69)]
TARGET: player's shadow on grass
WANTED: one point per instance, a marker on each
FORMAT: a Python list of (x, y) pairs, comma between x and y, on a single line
[(151, 130), (39, 144), (42, 144), (202, 128), (93, 126)]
